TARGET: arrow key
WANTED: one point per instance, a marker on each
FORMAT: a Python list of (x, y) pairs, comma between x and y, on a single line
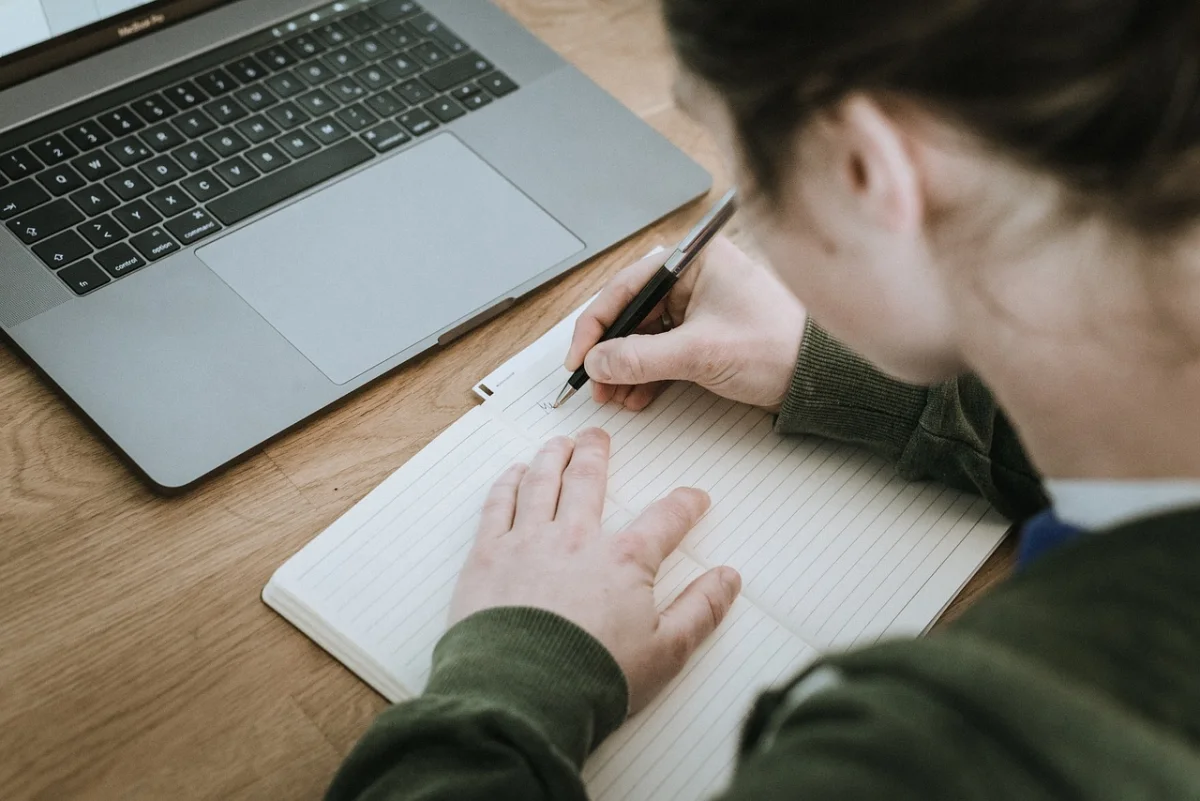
[(62, 250), (44, 221)]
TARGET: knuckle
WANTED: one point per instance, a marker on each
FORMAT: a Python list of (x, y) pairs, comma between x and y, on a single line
[(627, 548), (587, 470), (680, 646)]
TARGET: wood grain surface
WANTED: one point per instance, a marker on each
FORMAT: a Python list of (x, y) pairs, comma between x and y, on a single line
[(136, 658)]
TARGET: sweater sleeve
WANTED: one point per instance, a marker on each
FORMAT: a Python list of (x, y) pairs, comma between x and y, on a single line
[(952, 432), (516, 700)]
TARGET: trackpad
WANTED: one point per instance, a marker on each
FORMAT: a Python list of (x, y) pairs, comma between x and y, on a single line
[(371, 266)]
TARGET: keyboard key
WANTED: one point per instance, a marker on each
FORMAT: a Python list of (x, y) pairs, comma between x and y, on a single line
[(204, 186), (154, 244), (60, 180), (460, 70), (285, 84), (385, 136), (356, 117), (102, 231), (288, 115), (417, 121), (345, 89), (21, 197), (392, 10), (465, 91), (120, 121), (19, 163), (217, 82), (83, 277), (226, 143), (266, 158), (162, 170), (95, 200), (476, 101), (128, 151), (194, 123), (247, 70), (235, 172), (316, 102), (445, 109), (431, 27), (314, 73), (342, 60), (194, 157), (45, 221), (193, 226), (328, 131), (297, 144), (255, 97), (94, 166), (129, 184), (225, 110), (400, 37), (385, 104), (333, 34), (370, 48), (271, 189), (257, 129), (401, 66), (153, 109), (359, 23), (374, 78), (54, 149), (429, 54), (277, 57), (186, 95), (170, 201), (498, 84), (162, 137), (86, 135), (137, 216), (305, 46), (414, 92), (61, 250), (119, 260)]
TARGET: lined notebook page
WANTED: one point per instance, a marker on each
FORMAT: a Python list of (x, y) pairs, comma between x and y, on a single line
[(827, 538), (374, 590)]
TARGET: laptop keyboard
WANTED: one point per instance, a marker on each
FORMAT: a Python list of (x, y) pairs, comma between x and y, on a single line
[(106, 187)]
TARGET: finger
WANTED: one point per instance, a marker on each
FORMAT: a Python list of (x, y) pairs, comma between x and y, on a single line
[(620, 394), (697, 612), (585, 479), (501, 503), (643, 396), (609, 304), (662, 526), (602, 393), (675, 355), (537, 495)]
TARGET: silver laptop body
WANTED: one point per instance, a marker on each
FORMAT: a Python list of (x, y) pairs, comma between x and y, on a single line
[(194, 308)]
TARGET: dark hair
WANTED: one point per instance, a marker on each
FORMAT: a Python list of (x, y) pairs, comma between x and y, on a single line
[(1103, 94)]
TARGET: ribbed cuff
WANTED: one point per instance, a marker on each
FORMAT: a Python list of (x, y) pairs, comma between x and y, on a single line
[(540, 666), (837, 394)]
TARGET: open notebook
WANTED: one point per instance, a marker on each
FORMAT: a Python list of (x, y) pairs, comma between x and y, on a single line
[(835, 551)]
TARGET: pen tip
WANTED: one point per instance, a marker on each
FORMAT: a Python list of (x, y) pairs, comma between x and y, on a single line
[(564, 396)]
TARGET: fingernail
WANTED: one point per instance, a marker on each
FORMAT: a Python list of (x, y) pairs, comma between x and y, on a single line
[(731, 581), (597, 364)]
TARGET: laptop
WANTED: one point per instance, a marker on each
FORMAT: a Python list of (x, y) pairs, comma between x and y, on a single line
[(217, 218)]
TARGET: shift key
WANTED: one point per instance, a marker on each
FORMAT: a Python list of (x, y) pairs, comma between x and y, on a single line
[(44, 221)]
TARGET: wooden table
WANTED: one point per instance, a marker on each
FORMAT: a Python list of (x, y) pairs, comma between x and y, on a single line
[(136, 659)]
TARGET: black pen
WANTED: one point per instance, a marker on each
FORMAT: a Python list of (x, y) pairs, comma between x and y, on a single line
[(658, 287)]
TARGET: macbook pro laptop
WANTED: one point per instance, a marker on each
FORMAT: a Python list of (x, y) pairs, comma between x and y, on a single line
[(217, 218)]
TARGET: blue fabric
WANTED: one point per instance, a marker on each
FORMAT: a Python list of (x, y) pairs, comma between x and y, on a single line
[(1042, 534)]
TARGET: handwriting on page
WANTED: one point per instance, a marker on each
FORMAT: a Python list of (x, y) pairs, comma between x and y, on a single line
[(825, 534)]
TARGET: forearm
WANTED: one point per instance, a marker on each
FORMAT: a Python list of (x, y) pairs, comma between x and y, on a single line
[(952, 432), (516, 700)]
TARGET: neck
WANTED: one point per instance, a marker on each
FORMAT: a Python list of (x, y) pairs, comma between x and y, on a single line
[(1108, 335)]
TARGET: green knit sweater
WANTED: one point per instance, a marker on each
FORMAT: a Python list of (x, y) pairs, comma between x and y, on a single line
[(1079, 679)]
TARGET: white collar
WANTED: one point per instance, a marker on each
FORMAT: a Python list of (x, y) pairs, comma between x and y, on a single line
[(1091, 504)]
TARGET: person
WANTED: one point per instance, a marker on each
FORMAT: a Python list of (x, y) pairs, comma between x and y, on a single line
[(964, 195)]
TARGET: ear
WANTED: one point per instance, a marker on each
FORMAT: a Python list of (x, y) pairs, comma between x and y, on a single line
[(877, 166)]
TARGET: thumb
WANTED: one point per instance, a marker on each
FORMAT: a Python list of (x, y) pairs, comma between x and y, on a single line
[(697, 612), (643, 359)]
